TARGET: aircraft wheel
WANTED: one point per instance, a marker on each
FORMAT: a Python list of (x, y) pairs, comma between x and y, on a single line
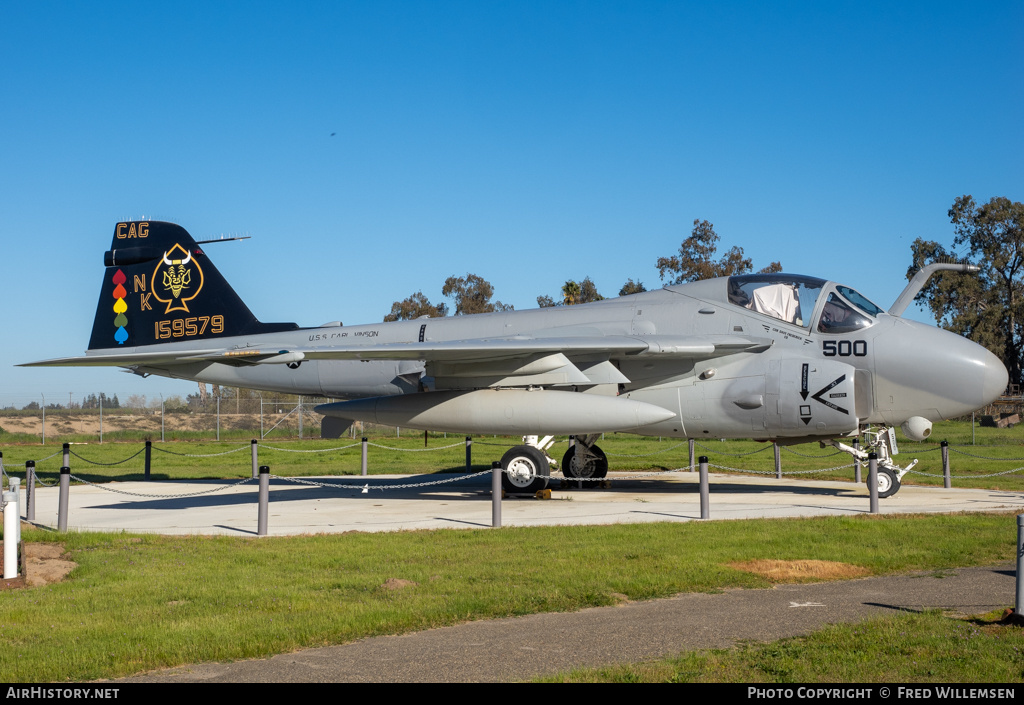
[(595, 465), (526, 470), (888, 484)]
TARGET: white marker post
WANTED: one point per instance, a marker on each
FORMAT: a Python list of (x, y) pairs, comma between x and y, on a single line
[(15, 488), (11, 521)]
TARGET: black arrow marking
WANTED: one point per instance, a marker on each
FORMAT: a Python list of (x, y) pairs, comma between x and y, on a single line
[(817, 397), (803, 382)]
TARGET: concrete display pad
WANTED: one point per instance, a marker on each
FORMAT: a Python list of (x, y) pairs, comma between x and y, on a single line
[(166, 507)]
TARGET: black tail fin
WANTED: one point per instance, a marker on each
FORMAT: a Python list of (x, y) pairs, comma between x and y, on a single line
[(159, 287)]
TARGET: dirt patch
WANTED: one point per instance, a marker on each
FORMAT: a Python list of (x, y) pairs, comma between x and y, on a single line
[(801, 571), (397, 584), (45, 563)]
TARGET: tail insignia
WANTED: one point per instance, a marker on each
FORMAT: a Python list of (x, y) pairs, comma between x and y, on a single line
[(177, 279), (120, 307)]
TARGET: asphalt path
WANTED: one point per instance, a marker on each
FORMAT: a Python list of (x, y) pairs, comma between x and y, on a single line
[(521, 648)]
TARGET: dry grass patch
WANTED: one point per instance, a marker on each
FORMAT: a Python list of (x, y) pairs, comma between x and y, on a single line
[(801, 571), (397, 584), (47, 563)]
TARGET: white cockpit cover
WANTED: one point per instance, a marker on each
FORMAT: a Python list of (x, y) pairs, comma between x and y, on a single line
[(778, 300)]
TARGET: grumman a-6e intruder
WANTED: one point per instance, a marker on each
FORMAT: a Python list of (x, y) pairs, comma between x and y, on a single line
[(780, 357)]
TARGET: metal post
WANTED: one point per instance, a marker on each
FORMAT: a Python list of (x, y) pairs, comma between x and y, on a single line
[(424, 438), (1019, 607), (495, 495), (945, 465), (15, 487), (30, 490), (693, 466), (705, 490), (101, 417), (362, 461), (300, 417), (44, 419), (255, 459), (161, 422), (149, 457), (873, 482), (62, 499), (67, 455), (856, 461), (398, 431), (11, 521), (261, 521), (469, 454), (778, 462), (218, 416)]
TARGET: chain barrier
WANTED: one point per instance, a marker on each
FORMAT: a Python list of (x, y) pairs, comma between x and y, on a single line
[(808, 455), (93, 462), (52, 455), (503, 445), (367, 486), (645, 455), (980, 457), (416, 450), (735, 455), (312, 450), (506, 445), (772, 472), (198, 455), (162, 496), (966, 477)]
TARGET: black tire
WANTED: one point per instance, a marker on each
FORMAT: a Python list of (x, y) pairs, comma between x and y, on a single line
[(526, 470), (888, 483), (595, 466)]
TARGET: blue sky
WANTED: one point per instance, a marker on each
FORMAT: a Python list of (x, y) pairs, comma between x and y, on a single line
[(527, 142)]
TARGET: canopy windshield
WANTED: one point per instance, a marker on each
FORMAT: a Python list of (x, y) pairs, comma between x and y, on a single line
[(846, 311), (787, 297)]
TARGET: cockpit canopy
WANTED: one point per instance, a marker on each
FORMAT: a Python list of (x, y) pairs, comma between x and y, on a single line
[(793, 298)]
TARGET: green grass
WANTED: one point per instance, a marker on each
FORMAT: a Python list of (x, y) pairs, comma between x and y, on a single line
[(913, 648), (142, 602)]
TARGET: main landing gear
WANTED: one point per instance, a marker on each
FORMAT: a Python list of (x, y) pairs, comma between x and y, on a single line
[(584, 459), (527, 468), (883, 443)]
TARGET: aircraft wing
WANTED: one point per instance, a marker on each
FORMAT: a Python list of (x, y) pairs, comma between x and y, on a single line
[(469, 351), (519, 346)]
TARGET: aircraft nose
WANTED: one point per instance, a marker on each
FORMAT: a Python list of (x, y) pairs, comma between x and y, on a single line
[(926, 371)]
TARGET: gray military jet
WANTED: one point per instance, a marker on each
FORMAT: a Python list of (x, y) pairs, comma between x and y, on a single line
[(780, 357)]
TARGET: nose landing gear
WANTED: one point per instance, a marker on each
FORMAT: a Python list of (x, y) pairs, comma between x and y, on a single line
[(883, 443)]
